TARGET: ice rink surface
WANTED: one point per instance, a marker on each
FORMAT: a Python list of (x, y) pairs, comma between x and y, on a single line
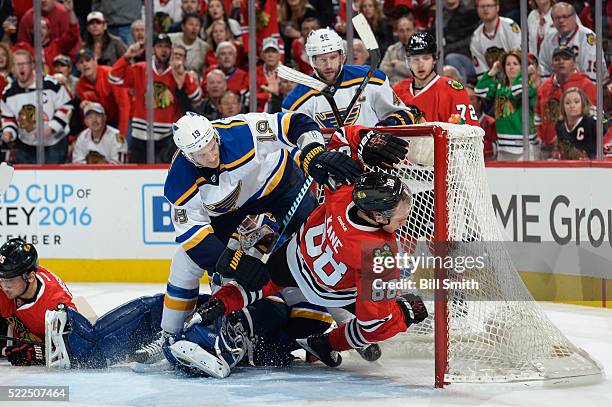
[(387, 383)]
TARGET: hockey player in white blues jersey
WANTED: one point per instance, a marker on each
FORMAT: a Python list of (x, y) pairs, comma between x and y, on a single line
[(378, 104), (224, 171)]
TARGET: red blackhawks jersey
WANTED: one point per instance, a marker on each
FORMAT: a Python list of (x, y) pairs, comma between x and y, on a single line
[(333, 263), (27, 320), (166, 109), (439, 101)]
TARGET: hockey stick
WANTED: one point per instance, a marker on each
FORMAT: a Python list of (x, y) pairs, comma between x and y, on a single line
[(298, 77), (367, 36), (6, 176), (10, 338)]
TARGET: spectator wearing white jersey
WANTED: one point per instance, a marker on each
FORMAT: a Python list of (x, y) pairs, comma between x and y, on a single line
[(495, 31), (98, 143), (569, 33), (19, 113), (540, 24)]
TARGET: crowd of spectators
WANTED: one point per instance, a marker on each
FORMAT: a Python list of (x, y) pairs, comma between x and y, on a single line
[(95, 87)]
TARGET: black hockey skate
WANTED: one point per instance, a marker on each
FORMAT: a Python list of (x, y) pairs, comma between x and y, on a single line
[(319, 346)]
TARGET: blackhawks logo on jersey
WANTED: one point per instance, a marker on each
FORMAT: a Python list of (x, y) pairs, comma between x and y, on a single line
[(26, 119), (503, 107), (455, 85), (162, 96), (552, 110), (591, 39), (515, 28)]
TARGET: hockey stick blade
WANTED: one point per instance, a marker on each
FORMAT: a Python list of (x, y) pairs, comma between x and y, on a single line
[(6, 176), (298, 77), (367, 36), (365, 32)]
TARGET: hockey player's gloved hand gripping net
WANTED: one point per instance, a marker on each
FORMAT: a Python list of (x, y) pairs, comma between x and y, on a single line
[(322, 165), (382, 150), (413, 307)]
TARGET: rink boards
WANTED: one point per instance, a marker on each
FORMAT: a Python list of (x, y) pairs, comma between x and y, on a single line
[(100, 223)]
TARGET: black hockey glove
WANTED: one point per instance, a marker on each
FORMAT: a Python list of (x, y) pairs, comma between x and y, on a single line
[(413, 308), (381, 150), (322, 165), (25, 354), (211, 310), (248, 271)]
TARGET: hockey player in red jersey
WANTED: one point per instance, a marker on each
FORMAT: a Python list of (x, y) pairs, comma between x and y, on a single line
[(326, 258), (28, 291), (439, 99)]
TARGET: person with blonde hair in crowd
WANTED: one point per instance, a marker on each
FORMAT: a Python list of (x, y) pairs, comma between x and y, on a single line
[(576, 128), (507, 92)]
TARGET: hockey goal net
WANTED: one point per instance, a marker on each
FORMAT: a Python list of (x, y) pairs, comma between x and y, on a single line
[(495, 332)]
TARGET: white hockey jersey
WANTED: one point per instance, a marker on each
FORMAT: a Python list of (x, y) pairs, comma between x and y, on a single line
[(583, 41), (537, 31), (18, 109), (376, 102), (507, 36), (111, 145), (256, 158)]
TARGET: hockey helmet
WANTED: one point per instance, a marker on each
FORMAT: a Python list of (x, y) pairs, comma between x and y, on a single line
[(17, 258), (193, 132), (378, 193), (322, 41), (421, 43)]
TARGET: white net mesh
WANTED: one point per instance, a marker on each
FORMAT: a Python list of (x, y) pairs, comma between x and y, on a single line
[(497, 333)]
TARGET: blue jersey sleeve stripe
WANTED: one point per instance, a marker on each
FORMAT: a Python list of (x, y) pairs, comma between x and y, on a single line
[(182, 293)]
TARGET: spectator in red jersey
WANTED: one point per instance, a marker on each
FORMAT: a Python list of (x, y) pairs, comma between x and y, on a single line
[(62, 44), (229, 104), (62, 66), (167, 81), (423, 11), (237, 79), (267, 24), (547, 108), (59, 21), (106, 47), (487, 123), (270, 54), (94, 86), (298, 47), (27, 292)]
